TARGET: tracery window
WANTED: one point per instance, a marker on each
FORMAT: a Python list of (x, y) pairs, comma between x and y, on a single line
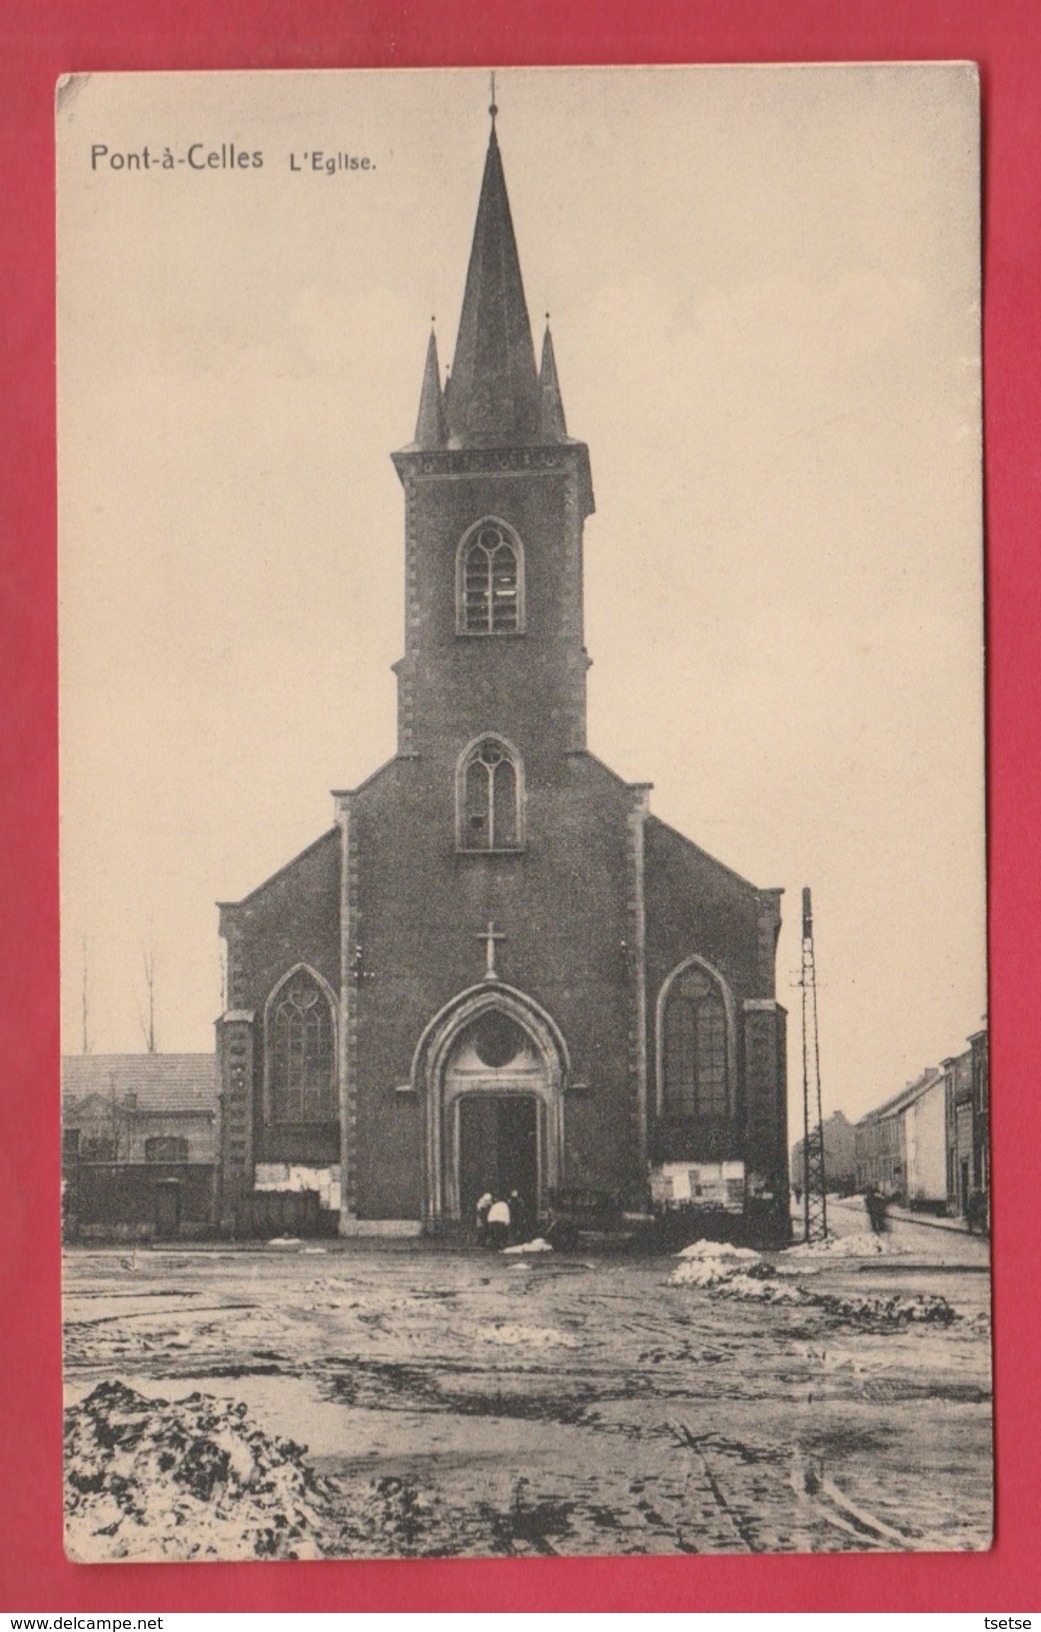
[(489, 795), (301, 1053), (490, 582), (694, 1040)]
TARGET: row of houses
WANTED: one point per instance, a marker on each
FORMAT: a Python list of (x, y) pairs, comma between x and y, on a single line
[(928, 1146)]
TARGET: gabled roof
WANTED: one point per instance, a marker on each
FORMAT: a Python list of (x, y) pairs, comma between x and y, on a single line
[(704, 855), (323, 838), (161, 1082), (905, 1098)]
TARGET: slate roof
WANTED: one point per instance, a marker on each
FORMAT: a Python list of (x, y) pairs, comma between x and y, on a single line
[(162, 1082), (493, 396)]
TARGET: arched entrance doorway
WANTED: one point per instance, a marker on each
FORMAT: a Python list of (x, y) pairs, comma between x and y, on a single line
[(494, 1102), (491, 1069)]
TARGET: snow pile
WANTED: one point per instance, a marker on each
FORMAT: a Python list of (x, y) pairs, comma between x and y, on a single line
[(538, 1245), (532, 1337), (878, 1311), (865, 1244), (762, 1288), (711, 1263), (734, 1272), (708, 1274), (151, 1479), (716, 1249), (737, 1272)]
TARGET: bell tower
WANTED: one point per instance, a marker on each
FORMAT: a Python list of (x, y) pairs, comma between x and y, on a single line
[(496, 495)]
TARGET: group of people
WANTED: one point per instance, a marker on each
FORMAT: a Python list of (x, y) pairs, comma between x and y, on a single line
[(501, 1219)]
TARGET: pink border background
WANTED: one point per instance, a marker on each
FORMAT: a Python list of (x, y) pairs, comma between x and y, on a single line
[(41, 39)]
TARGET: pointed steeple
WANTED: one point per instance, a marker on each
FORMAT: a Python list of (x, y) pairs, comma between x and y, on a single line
[(494, 395), (552, 427), (432, 422)]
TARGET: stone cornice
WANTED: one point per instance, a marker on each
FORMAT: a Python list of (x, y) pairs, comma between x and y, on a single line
[(535, 460)]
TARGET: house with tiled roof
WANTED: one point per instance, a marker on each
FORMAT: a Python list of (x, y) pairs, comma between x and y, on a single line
[(139, 1135)]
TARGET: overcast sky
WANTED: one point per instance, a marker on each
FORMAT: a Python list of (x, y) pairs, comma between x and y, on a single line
[(764, 292)]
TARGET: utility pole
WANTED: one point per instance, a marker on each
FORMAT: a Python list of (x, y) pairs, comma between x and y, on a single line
[(815, 1203), (148, 960), (85, 1040)]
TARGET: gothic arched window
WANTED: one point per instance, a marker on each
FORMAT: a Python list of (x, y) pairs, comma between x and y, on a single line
[(301, 1052), (490, 797), (490, 581), (695, 1074)]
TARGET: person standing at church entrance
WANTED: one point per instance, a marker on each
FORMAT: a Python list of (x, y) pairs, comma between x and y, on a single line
[(483, 1205), (499, 1224), (518, 1217)]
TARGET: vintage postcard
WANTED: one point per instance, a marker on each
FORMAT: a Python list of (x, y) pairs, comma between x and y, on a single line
[(569, 1134)]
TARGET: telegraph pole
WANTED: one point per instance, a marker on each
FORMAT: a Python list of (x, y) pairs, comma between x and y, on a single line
[(815, 1204)]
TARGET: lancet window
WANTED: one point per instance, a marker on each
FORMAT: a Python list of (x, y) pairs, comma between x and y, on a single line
[(301, 1052), (694, 1047), (490, 797), (490, 581)]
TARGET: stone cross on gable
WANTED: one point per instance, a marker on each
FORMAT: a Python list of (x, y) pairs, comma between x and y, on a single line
[(490, 936)]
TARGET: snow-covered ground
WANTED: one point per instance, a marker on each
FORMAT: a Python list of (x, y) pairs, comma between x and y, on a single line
[(479, 1403)]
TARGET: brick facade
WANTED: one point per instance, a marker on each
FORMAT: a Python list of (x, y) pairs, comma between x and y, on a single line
[(594, 904)]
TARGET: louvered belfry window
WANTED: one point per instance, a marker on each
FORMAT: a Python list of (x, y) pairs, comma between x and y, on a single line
[(302, 1056), (490, 798), (695, 1042), (490, 583)]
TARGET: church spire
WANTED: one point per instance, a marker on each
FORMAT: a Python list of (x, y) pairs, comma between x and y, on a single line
[(552, 427), (493, 398), (431, 424)]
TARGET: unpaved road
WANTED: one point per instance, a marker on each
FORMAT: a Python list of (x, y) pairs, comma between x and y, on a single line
[(489, 1405)]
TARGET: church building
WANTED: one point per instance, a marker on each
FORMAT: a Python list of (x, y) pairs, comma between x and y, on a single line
[(497, 969)]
